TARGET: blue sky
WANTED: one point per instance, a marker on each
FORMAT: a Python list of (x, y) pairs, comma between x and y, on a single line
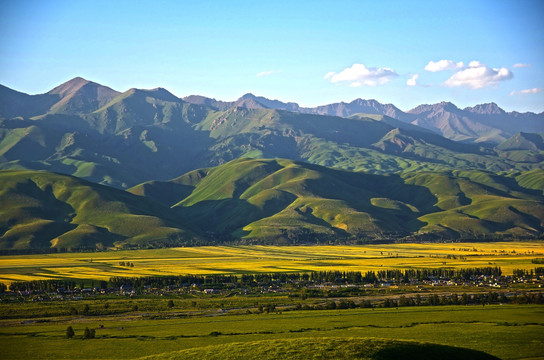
[(311, 52)]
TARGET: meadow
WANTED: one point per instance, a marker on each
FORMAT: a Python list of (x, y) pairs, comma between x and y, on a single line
[(268, 259), (505, 331)]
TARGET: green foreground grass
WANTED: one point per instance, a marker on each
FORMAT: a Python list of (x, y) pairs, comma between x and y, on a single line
[(326, 348), (505, 331)]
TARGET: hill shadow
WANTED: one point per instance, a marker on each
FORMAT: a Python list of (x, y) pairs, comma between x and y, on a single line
[(429, 352), (46, 206), (357, 190)]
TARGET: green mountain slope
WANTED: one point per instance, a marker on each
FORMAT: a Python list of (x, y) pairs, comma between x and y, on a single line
[(294, 201), (523, 141), (122, 139), (134, 137), (267, 201), (42, 210)]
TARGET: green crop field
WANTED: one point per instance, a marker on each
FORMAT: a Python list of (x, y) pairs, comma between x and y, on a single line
[(505, 331), (267, 259)]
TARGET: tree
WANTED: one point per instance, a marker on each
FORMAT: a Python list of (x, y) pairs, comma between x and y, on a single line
[(86, 309), (89, 333), (70, 332), (170, 303)]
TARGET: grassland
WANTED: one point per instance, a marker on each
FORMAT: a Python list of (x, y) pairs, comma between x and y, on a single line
[(267, 259), (324, 349), (507, 331)]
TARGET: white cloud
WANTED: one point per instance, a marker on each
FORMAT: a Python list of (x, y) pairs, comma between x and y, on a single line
[(443, 65), (266, 73), (359, 75), (413, 80), (521, 65), (478, 75), (528, 91)]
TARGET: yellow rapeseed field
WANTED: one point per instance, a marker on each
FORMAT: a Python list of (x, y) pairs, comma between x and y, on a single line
[(265, 259)]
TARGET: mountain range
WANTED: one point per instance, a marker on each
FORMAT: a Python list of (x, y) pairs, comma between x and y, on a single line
[(121, 139), (481, 123), (258, 170)]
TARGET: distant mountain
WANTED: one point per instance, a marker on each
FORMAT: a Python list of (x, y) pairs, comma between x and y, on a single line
[(14, 103), (76, 96), (486, 109), (523, 141), (455, 124), (509, 122), (121, 139), (358, 106), (337, 109), (79, 96), (268, 104), (209, 102), (481, 123), (484, 123), (249, 101)]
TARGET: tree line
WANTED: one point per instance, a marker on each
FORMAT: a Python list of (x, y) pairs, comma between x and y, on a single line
[(317, 277), (269, 279)]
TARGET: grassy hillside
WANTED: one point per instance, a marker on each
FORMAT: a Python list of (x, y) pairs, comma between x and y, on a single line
[(291, 201), (325, 348), (42, 210), (267, 200), (123, 139)]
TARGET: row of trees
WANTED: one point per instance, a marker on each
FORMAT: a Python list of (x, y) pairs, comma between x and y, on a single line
[(432, 300), (48, 285), (248, 280), (539, 271), (318, 277), (87, 333)]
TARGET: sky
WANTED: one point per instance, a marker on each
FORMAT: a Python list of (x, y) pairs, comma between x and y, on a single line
[(310, 52)]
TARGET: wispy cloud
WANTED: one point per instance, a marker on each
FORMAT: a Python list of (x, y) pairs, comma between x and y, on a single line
[(528, 91), (521, 65), (413, 80), (441, 65), (266, 73), (477, 75), (360, 75)]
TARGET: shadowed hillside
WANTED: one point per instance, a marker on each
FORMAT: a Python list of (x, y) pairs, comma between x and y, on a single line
[(267, 201), (121, 139), (295, 201), (42, 210)]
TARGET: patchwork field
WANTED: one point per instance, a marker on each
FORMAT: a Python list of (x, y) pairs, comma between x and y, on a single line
[(267, 259)]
